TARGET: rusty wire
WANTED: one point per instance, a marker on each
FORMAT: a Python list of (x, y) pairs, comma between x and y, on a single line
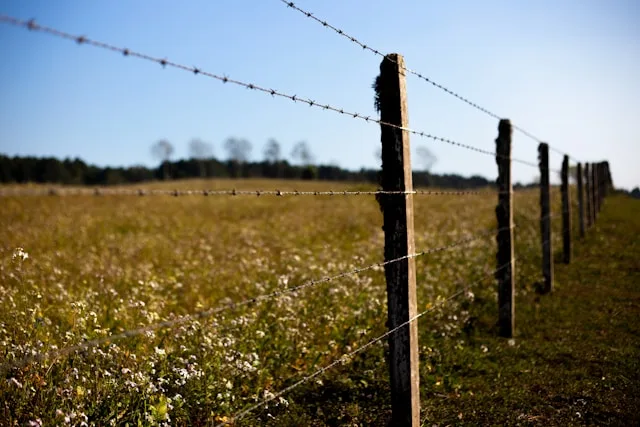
[(33, 26), (365, 46)]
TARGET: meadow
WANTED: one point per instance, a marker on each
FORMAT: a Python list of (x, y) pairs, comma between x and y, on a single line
[(78, 268)]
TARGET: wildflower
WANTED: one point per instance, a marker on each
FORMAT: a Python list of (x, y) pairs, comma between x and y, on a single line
[(15, 382), (20, 254)]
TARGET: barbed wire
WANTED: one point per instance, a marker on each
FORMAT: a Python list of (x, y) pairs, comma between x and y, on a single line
[(365, 46), (346, 358), (33, 26), (176, 193), (233, 305)]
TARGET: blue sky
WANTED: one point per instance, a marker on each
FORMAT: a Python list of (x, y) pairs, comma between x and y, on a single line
[(564, 70)]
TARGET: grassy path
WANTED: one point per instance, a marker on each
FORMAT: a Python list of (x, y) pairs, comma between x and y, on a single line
[(576, 359)]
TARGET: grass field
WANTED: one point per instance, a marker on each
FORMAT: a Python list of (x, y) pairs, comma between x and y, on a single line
[(93, 266)]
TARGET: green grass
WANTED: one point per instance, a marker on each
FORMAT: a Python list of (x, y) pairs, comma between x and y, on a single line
[(98, 265)]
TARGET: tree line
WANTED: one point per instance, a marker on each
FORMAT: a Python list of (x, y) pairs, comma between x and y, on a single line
[(202, 163)]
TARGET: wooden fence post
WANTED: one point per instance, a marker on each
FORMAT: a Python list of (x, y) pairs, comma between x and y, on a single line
[(504, 215), (397, 213), (587, 190), (566, 212), (594, 191), (603, 190), (545, 218), (580, 199)]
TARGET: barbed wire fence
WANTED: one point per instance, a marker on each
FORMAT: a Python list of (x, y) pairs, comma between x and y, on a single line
[(396, 181)]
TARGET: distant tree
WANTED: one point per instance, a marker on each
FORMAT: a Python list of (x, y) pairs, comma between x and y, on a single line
[(573, 174), (163, 150), (301, 154), (377, 154), (272, 152), (238, 151), (201, 151), (425, 159)]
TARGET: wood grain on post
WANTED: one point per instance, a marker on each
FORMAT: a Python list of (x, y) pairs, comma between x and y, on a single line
[(504, 214), (588, 190), (545, 218), (566, 212), (397, 213), (580, 199)]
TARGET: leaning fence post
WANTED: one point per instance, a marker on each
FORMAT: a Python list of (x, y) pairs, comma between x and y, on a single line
[(580, 200), (397, 213), (566, 212), (504, 214), (587, 190), (545, 217)]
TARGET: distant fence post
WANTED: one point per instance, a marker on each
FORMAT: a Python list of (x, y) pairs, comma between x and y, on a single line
[(580, 199), (588, 189), (603, 185), (397, 213), (545, 217), (504, 214), (608, 180), (594, 191), (566, 212)]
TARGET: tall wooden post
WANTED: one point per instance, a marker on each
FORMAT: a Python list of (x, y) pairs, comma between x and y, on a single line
[(397, 213), (545, 217), (504, 214), (588, 190), (566, 212), (580, 199)]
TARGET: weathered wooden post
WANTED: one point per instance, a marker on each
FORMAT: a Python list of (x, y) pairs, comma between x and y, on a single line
[(566, 212), (588, 189), (580, 199), (504, 215), (545, 218), (397, 210)]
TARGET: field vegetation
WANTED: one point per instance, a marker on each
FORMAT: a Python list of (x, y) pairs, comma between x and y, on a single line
[(79, 268)]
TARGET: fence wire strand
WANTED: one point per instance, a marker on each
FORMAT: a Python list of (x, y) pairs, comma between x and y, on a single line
[(346, 358), (210, 312), (421, 76), (176, 193), (33, 26)]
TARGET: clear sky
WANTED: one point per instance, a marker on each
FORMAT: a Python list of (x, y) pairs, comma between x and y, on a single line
[(565, 70)]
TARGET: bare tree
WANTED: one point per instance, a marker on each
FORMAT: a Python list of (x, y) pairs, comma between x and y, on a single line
[(377, 154), (200, 150), (238, 151), (163, 150), (272, 151), (302, 154), (425, 159)]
